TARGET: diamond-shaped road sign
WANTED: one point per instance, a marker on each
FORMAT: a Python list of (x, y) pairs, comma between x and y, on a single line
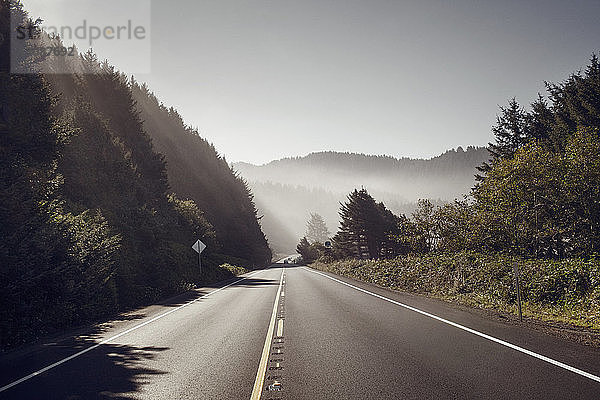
[(199, 246)]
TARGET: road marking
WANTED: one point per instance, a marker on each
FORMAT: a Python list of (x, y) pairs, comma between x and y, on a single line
[(262, 366), (283, 293), (64, 360), (280, 328), (473, 331)]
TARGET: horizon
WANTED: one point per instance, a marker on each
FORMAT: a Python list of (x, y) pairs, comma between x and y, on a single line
[(464, 148)]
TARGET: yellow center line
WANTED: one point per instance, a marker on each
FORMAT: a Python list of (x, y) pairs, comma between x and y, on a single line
[(262, 366)]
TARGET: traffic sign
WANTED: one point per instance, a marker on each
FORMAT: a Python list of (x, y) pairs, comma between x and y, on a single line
[(199, 246)]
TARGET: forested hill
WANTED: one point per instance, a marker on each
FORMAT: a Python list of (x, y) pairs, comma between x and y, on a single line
[(288, 190), (196, 171), (93, 220), (446, 176)]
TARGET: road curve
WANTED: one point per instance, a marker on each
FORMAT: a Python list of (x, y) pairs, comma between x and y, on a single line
[(295, 333)]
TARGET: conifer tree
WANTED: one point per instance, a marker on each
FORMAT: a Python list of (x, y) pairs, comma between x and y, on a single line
[(308, 251), (362, 227), (510, 132), (317, 231)]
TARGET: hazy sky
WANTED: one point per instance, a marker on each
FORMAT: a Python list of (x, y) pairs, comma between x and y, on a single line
[(268, 79)]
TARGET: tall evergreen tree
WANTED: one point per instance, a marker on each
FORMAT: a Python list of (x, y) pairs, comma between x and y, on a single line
[(55, 265), (575, 103), (87, 224), (316, 229), (197, 171), (308, 251), (510, 133), (540, 121), (362, 227)]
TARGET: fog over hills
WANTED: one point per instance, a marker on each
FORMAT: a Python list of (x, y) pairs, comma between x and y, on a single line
[(288, 190)]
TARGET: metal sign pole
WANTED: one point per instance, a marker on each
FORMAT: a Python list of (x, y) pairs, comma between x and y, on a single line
[(516, 270), (199, 248)]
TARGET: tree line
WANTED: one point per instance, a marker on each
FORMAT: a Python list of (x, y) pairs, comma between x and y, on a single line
[(287, 190), (537, 197), (405, 180), (91, 221)]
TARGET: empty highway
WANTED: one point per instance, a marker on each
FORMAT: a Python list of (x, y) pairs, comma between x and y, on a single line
[(289, 332)]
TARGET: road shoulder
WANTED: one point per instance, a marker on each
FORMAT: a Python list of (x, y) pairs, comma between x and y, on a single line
[(526, 334)]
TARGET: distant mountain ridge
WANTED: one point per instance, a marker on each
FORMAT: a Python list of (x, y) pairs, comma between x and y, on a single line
[(445, 177), (324, 156), (287, 190)]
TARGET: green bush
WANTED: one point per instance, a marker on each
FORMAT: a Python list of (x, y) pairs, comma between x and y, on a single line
[(559, 289)]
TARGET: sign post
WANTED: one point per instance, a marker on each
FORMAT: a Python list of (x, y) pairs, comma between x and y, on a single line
[(516, 271), (199, 248)]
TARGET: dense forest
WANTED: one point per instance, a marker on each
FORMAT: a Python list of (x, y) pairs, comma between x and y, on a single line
[(92, 218), (196, 171), (288, 190)]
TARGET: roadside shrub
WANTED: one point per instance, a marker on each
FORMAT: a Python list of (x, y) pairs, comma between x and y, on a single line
[(570, 287)]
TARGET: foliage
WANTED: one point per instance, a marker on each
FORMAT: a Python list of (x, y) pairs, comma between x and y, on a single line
[(316, 229), (539, 196), (425, 234), (309, 251), (197, 172), (553, 290), (88, 225), (537, 204), (365, 227), (288, 190), (545, 204)]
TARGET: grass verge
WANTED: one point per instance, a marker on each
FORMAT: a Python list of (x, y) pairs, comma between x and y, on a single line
[(563, 293)]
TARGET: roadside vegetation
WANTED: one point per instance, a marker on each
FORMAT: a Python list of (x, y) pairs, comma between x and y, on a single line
[(552, 290), (89, 222), (536, 203)]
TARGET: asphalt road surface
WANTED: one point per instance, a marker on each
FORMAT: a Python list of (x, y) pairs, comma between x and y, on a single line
[(289, 332)]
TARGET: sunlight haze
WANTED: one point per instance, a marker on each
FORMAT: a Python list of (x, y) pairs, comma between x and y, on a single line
[(264, 80)]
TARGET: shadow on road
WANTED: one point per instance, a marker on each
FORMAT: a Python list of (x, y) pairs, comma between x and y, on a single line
[(254, 282), (195, 294), (110, 371)]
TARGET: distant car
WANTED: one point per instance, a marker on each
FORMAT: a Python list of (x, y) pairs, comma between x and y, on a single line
[(286, 261)]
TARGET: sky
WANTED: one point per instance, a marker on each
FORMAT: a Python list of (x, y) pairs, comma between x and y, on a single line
[(264, 80)]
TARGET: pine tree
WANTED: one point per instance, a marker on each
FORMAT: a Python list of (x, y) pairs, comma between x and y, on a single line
[(575, 103), (317, 231), (55, 265), (197, 171), (540, 121), (309, 252), (510, 132), (362, 226)]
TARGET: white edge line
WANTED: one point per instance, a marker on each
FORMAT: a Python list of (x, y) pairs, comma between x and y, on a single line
[(64, 360), (473, 331)]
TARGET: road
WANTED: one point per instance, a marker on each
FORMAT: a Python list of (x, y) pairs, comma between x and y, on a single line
[(289, 332)]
